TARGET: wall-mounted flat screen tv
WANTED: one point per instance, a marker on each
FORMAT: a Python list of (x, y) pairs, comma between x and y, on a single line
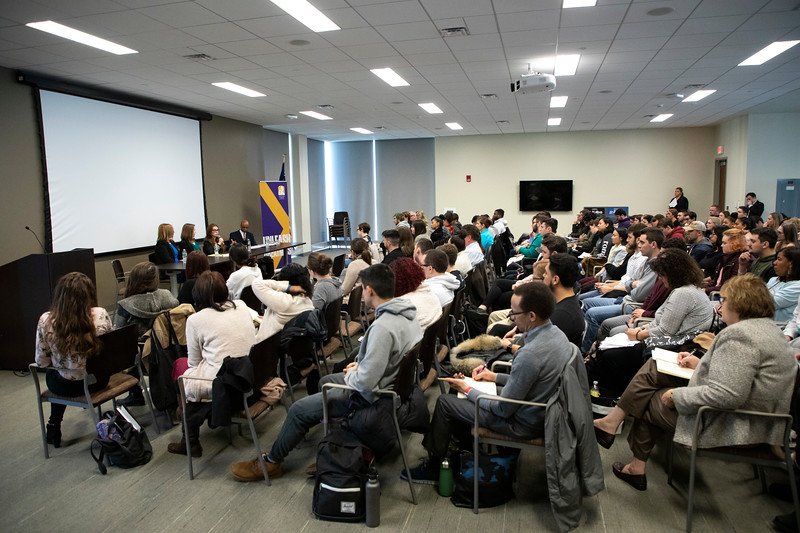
[(545, 195)]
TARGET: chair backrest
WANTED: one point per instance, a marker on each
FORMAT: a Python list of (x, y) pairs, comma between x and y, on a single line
[(252, 301), (332, 315), (117, 353), (354, 303), (427, 346), (151, 257), (478, 284), (338, 265), (119, 272), (264, 356), (457, 306), (441, 324), (406, 376), (339, 217)]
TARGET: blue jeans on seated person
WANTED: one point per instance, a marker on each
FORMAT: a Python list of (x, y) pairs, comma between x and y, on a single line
[(591, 294), (306, 413), (599, 301), (595, 316)]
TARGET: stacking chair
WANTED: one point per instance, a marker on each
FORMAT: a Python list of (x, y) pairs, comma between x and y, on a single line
[(339, 227), (457, 325), (431, 348), (299, 348), (120, 276), (332, 317), (759, 456), (399, 393), (338, 265), (352, 320), (264, 357), (119, 353), (479, 284), (252, 301)]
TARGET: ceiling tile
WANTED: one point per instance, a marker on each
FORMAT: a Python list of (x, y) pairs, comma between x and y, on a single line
[(393, 13), (409, 31), (182, 14)]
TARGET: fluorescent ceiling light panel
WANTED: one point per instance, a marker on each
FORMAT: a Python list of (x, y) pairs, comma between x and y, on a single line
[(390, 76), (307, 15), (558, 101), (314, 114), (767, 53), (80, 37), (431, 108), (661, 118), (554, 121), (365, 131), (699, 95), (238, 89), (579, 3), (453, 125), (567, 64)]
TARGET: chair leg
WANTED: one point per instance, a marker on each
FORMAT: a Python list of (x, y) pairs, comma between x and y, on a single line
[(149, 400), (41, 425), (405, 459), (256, 445), (690, 498), (438, 366), (476, 473), (763, 477), (186, 428), (670, 462), (792, 484)]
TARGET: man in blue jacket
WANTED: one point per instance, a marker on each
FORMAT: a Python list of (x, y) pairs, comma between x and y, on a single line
[(534, 376)]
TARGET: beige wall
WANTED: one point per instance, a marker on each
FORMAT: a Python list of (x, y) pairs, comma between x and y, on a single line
[(733, 135), (637, 168)]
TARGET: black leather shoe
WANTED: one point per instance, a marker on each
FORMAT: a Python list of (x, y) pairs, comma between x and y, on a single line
[(637, 481), (134, 398), (604, 439), (53, 435)]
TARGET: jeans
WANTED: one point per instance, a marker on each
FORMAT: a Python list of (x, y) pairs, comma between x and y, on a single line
[(591, 294), (595, 316), (306, 413)]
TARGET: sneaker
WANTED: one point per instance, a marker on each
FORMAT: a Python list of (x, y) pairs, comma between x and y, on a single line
[(179, 448), (251, 470), (425, 474)]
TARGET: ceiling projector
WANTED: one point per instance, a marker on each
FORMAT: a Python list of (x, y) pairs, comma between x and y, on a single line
[(533, 82)]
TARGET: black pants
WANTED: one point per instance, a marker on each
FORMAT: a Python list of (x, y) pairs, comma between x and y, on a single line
[(196, 414), (66, 387), (499, 295), (614, 369)]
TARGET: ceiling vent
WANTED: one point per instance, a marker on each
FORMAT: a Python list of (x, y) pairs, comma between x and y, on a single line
[(452, 32), (199, 57)]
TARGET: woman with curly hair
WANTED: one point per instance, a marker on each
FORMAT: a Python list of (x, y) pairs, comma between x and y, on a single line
[(774, 220), (284, 298), (66, 336), (408, 284), (733, 244), (787, 234)]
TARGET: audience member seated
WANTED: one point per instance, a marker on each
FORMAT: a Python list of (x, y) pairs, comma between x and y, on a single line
[(560, 275), (441, 283), (408, 285), (143, 301), (420, 248), (243, 235), (709, 262), (390, 336), (535, 376), (391, 242), (592, 236), (760, 254), (66, 336), (687, 310), (749, 366), (419, 229), (699, 246), (472, 244), (406, 241), (617, 263), (733, 244), (463, 263), (451, 252), (530, 247), (284, 297), (245, 271), (213, 243), (484, 225), (438, 234), (196, 264), (166, 251), (220, 328), (785, 286), (188, 242), (787, 234), (499, 323), (327, 289), (602, 247), (401, 220), (361, 259), (580, 229), (774, 220), (499, 224)]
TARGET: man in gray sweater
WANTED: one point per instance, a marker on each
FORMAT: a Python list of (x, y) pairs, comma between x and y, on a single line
[(535, 373), (393, 333)]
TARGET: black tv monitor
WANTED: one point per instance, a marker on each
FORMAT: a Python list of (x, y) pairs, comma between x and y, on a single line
[(545, 195)]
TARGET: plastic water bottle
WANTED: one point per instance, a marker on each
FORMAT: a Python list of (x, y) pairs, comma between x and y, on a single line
[(595, 392), (249, 249), (183, 256), (445, 480), (216, 249), (373, 497)]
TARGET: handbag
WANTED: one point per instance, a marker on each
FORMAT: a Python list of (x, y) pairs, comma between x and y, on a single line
[(495, 481), (122, 439), (163, 389)]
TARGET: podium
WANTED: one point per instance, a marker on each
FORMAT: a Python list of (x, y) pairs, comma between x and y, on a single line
[(27, 286)]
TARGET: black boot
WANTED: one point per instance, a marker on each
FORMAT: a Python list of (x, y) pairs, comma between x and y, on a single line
[(53, 434), (134, 398)]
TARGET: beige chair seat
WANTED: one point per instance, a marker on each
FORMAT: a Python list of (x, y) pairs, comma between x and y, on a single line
[(484, 433)]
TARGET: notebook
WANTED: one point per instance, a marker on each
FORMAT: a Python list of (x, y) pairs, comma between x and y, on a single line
[(485, 387), (667, 363)]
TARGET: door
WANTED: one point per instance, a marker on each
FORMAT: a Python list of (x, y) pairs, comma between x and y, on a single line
[(720, 174)]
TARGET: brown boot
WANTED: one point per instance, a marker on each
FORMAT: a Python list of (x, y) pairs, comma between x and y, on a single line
[(251, 470), (179, 448)]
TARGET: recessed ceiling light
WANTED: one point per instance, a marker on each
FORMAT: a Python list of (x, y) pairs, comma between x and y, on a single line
[(767, 53), (489, 96), (555, 121), (567, 64), (325, 106), (579, 3), (299, 42), (390, 76), (660, 11), (453, 125), (307, 14), (605, 91), (661, 118), (364, 131), (698, 95), (80, 37), (291, 116), (238, 89), (379, 128), (431, 108), (503, 122), (314, 114), (558, 101)]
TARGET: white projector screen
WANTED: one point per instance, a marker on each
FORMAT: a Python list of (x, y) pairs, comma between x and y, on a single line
[(114, 173)]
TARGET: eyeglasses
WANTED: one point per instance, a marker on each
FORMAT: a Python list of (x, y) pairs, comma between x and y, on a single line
[(512, 314)]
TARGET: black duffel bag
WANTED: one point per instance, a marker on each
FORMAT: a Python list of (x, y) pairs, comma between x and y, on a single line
[(122, 440)]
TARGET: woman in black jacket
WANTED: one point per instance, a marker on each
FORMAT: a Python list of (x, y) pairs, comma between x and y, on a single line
[(166, 251)]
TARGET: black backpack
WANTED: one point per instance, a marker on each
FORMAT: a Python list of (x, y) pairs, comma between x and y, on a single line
[(342, 467), (307, 324), (117, 438), (164, 389)]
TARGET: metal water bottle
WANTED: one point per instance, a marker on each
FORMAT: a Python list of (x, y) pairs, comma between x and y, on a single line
[(184, 256), (373, 497), (445, 480)]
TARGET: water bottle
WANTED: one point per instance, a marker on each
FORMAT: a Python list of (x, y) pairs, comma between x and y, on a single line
[(445, 480), (249, 249), (373, 497), (216, 249), (595, 392), (183, 256)]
